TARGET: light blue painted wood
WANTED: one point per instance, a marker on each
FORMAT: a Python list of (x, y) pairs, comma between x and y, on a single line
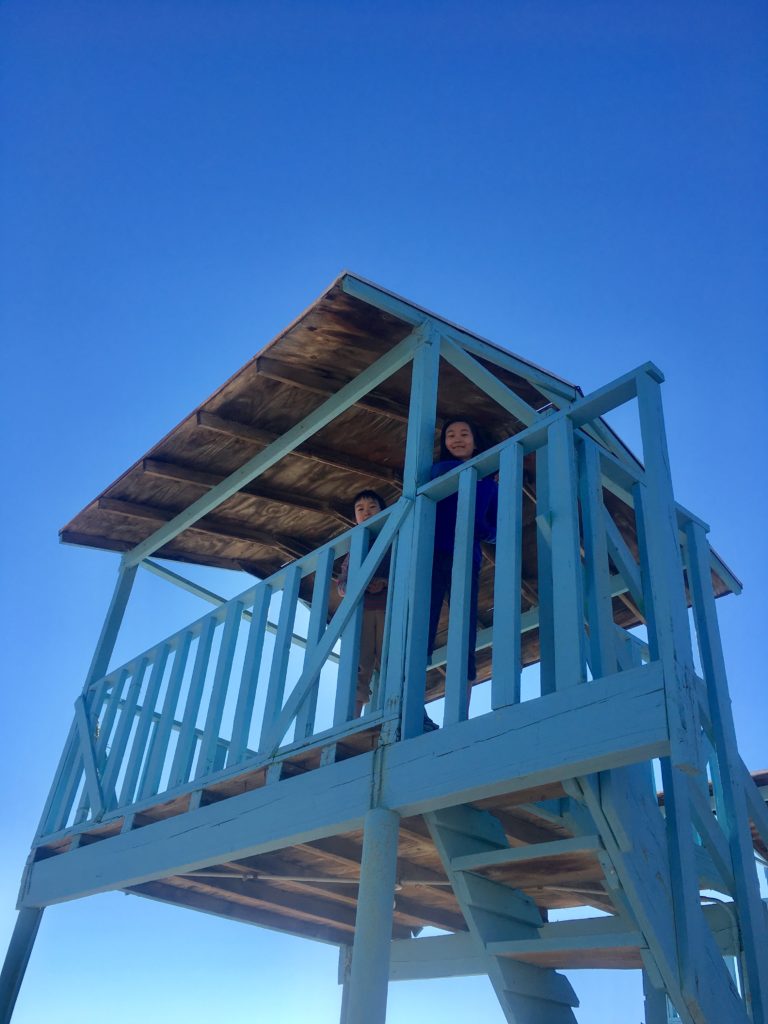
[(731, 810), (209, 744), (54, 816), (249, 678), (623, 560), (392, 518), (505, 683), (545, 585), (291, 439), (369, 976), (158, 745), (435, 956), (181, 765), (456, 695), (108, 697), (122, 734), (346, 682), (669, 641), (280, 655), (415, 573), (17, 958), (568, 581), (599, 601), (143, 723), (112, 622), (488, 383), (92, 782), (494, 913), (318, 618), (422, 413)]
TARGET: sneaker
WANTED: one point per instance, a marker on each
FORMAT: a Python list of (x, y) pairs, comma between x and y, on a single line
[(429, 725)]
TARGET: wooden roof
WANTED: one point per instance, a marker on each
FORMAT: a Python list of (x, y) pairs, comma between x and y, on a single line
[(304, 500)]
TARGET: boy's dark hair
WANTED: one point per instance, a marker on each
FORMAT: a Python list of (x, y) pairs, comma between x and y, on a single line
[(373, 495), (480, 442)]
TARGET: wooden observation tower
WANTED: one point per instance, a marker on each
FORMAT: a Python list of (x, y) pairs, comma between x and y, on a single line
[(223, 769)]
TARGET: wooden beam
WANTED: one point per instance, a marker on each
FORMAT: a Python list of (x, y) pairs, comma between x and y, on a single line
[(203, 478), (213, 527), (312, 453), (325, 384)]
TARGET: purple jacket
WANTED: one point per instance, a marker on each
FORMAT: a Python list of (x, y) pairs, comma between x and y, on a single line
[(486, 507)]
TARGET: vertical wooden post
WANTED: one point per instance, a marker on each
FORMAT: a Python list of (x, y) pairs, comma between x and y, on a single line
[(655, 1002), (17, 958), (602, 631), (567, 582), (456, 695), (505, 682), (669, 642), (731, 805), (544, 582), (406, 658), (369, 978)]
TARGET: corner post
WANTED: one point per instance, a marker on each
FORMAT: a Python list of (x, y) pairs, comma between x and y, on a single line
[(112, 622), (17, 958), (366, 1001), (409, 613)]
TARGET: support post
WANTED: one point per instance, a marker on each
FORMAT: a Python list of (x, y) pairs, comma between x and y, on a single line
[(17, 958), (369, 978), (114, 618)]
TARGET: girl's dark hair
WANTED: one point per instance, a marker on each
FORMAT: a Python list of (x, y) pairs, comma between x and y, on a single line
[(373, 495), (480, 442)]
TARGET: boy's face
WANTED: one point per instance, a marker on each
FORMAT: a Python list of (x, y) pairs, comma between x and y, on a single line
[(365, 508)]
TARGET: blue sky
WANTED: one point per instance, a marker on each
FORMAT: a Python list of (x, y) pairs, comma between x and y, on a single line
[(582, 182)]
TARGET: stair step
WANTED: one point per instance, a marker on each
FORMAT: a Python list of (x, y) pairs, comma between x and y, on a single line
[(496, 898), (525, 1008), (522, 854), (537, 983), (472, 830)]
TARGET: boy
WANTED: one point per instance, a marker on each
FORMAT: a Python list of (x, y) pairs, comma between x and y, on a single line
[(366, 504)]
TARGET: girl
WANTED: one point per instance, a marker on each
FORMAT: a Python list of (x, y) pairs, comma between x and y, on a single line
[(460, 440)]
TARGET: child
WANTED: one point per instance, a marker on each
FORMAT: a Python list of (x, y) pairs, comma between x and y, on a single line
[(460, 440), (366, 504)]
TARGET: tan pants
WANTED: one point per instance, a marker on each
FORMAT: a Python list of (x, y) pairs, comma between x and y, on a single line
[(371, 640)]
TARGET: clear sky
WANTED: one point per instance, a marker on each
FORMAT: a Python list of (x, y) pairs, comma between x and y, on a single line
[(583, 182)]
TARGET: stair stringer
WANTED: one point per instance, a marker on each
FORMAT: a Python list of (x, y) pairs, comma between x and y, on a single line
[(624, 812), (494, 912)]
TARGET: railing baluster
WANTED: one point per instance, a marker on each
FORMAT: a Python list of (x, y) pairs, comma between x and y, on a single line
[(567, 578), (276, 685), (602, 638), (505, 684), (544, 581), (249, 678), (318, 618), (143, 725), (210, 741), (158, 745), (122, 733), (456, 689), (185, 744), (350, 639)]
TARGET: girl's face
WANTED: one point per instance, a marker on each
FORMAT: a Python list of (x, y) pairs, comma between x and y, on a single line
[(460, 441)]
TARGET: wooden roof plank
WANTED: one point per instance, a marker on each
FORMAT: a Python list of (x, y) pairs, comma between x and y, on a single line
[(314, 453), (297, 435)]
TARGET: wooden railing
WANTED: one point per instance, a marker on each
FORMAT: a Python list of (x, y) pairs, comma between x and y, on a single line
[(221, 696)]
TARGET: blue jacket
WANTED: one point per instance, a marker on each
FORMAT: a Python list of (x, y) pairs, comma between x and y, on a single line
[(486, 507)]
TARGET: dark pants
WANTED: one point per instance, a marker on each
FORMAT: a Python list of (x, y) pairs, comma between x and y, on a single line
[(442, 567)]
